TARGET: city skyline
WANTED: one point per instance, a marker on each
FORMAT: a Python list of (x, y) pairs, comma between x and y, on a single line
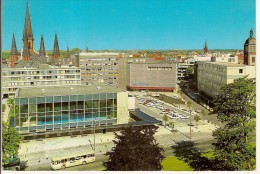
[(132, 25)]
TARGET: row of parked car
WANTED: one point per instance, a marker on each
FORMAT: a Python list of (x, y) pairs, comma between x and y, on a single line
[(159, 105)]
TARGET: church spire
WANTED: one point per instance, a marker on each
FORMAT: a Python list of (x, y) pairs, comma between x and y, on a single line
[(26, 53), (27, 31), (206, 48), (56, 51), (14, 52), (42, 48), (68, 53)]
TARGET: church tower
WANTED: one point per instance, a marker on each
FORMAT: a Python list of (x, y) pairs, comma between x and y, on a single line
[(27, 31), (56, 51), (14, 52), (25, 53), (42, 48), (67, 53), (250, 50), (205, 49)]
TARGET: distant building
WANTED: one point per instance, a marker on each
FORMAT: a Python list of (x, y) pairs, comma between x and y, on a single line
[(211, 76), (49, 110), (160, 76), (250, 50)]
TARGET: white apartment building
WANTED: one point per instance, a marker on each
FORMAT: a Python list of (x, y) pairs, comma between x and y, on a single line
[(211, 76), (45, 75)]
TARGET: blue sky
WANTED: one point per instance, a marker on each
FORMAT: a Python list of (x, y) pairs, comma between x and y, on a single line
[(131, 24)]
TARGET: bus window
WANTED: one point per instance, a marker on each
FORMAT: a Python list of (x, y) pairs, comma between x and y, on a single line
[(72, 160), (77, 158)]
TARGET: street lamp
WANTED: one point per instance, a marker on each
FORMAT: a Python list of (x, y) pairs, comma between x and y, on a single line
[(196, 96)]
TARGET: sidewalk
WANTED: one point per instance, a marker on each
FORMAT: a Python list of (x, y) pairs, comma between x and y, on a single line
[(47, 144)]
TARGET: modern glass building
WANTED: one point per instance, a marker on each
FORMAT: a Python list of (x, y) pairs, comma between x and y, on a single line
[(59, 108)]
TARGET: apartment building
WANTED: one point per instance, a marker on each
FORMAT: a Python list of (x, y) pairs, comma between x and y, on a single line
[(211, 76), (99, 68), (44, 75)]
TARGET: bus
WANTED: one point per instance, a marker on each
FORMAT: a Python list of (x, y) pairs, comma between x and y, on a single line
[(72, 158)]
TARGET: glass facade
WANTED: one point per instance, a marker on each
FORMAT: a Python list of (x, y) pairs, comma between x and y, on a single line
[(64, 112)]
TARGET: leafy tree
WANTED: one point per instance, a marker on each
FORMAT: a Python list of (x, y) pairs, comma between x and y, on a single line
[(11, 141), (203, 113), (188, 72), (171, 124), (189, 105), (165, 119), (6, 55), (197, 119), (236, 106), (135, 150), (179, 101), (3, 107), (180, 93), (75, 50)]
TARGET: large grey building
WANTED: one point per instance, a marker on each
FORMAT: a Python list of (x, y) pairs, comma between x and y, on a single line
[(159, 76)]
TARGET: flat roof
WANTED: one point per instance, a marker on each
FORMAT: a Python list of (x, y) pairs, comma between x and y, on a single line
[(65, 90), (228, 64)]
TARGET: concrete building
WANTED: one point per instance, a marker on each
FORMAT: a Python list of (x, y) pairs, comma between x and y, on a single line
[(47, 109), (44, 75), (101, 68), (152, 76), (212, 76)]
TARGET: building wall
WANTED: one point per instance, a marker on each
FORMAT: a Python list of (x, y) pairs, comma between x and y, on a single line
[(154, 76), (14, 78), (102, 70), (122, 108), (45, 113), (212, 76)]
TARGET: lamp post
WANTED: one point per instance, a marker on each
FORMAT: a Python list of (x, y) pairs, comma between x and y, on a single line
[(196, 96)]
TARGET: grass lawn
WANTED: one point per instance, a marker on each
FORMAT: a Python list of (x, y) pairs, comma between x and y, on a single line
[(174, 164)]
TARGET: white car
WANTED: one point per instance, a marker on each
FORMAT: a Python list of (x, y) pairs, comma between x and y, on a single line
[(183, 116)]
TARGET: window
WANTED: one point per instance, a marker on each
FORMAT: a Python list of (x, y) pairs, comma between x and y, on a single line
[(240, 71), (253, 59)]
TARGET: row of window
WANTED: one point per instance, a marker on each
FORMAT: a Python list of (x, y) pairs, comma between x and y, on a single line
[(159, 68)]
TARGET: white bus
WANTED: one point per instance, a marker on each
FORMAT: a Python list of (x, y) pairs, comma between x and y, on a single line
[(72, 158)]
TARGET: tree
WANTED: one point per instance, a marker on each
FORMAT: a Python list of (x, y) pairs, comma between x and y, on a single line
[(197, 119), (165, 119), (11, 141), (171, 124), (75, 50), (188, 72), (135, 150), (203, 112), (180, 93), (179, 101), (189, 106), (235, 106)]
